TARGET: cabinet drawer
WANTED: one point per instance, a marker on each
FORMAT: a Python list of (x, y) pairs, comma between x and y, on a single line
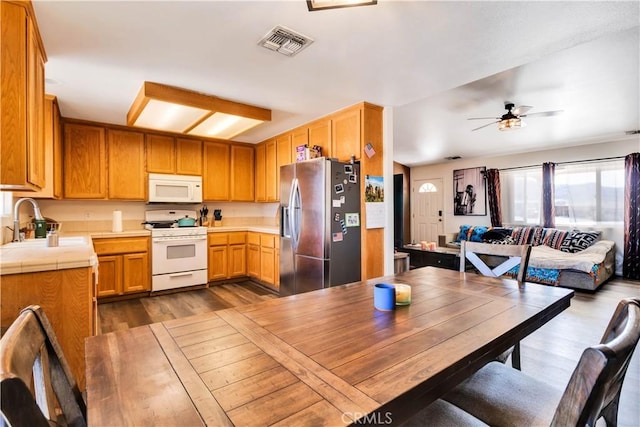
[(268, 240), (121, 245), (253, 238), (218, 239), (237, 238)]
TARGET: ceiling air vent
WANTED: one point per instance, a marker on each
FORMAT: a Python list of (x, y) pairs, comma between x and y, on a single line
[(284, 40)]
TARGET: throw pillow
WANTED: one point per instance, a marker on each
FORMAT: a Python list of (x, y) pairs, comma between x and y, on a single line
[(477, 233), (496, 234), (464, 230), (579, 240), (527, 235), (507, 240), (554, 237)]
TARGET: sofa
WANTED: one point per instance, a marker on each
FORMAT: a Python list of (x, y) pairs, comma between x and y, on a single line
[(568, 258)]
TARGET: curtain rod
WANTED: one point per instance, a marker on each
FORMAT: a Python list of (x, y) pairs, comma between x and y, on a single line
[(565, 163)]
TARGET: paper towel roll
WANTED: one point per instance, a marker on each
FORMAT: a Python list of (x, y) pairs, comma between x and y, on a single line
[(117, 222)]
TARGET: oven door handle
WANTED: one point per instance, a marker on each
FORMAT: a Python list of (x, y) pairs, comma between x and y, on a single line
[(186, 273)]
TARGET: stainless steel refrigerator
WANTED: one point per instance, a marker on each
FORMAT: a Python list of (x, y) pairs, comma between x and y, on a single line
[(319, 225)]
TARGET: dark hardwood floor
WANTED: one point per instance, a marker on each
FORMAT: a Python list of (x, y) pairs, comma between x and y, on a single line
[(550, 353), (130, 313)]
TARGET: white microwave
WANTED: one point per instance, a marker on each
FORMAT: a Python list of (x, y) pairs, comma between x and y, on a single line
[(175, 188)]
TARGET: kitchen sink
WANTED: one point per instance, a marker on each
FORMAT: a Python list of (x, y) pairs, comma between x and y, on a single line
[(62, 241)]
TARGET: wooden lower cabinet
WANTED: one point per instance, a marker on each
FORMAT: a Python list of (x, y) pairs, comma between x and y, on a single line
[(253, 255), (67, 298), (237, 260), (263, 258), (227, 255), (218, 256), (123, 265)]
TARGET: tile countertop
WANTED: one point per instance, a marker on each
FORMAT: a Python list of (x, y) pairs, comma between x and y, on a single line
[(33, 255), (75, 250)]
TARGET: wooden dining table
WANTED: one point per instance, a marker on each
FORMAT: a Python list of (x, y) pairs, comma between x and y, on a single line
[(326, 357)]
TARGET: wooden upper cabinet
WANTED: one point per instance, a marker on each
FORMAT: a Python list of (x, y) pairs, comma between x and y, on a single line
[(161, 154), (52, 153), (261, 170), (188, 157), (346, 133), (35, 110), (216, 171), (299, 136), (166, 154), (242, 173), (85, 162), (320, 134), (22, 99), (126, 165), (271, 171), (283, 157)]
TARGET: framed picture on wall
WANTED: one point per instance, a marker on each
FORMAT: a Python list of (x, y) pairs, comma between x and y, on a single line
[(469, 191)]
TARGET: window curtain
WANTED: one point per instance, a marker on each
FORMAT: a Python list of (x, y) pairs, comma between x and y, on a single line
[(493, 189), (548, 195), (631, 261)]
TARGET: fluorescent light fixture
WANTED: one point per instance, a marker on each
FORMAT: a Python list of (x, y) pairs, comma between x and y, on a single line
[(314, 5), (168, 116), (173, 109), (225, 126)]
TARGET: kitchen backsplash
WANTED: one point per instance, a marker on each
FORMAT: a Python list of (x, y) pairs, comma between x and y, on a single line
[(88, 215)]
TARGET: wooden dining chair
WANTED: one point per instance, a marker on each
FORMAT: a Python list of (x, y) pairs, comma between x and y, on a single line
[(37, 387), (516, 255), (501, 396)]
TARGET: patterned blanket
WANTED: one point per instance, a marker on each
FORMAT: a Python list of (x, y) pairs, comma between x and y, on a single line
[(545, 257)]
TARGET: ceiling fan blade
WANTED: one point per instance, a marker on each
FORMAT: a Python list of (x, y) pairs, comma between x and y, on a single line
[(543, 114), (484, 126), (521, 109), (483, 118)]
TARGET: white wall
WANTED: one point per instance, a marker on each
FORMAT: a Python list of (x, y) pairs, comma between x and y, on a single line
[(583, 152)]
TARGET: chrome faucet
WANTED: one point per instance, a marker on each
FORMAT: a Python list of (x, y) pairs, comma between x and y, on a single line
[(16, 215)]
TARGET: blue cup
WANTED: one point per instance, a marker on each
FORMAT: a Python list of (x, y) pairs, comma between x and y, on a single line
[(384, 297)]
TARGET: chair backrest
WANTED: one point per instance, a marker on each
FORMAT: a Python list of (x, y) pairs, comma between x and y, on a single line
[(36, 384), (594, 388), (517, 255)]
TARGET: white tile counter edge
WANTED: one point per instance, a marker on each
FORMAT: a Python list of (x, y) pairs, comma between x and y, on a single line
[(269, 229), (16, 260)]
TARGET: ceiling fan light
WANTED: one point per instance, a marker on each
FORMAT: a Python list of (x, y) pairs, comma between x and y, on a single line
[(509, 124)]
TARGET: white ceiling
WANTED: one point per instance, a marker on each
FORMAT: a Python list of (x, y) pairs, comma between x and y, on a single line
[(436, 63)]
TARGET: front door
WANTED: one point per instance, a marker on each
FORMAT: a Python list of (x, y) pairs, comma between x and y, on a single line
[(427, 210)]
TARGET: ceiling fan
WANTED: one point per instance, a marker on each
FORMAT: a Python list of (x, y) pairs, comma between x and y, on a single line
[(512, 118)]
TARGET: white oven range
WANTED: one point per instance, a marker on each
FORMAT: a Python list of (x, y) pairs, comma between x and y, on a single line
[(178, 254)]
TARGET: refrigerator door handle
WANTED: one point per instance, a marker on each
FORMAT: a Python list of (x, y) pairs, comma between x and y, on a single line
[(285, 228), (294, 213)]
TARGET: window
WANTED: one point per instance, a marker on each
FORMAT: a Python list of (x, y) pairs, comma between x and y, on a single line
[(589, 193), (586, 194), (428, 187), (521, 195), (5, 203)]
